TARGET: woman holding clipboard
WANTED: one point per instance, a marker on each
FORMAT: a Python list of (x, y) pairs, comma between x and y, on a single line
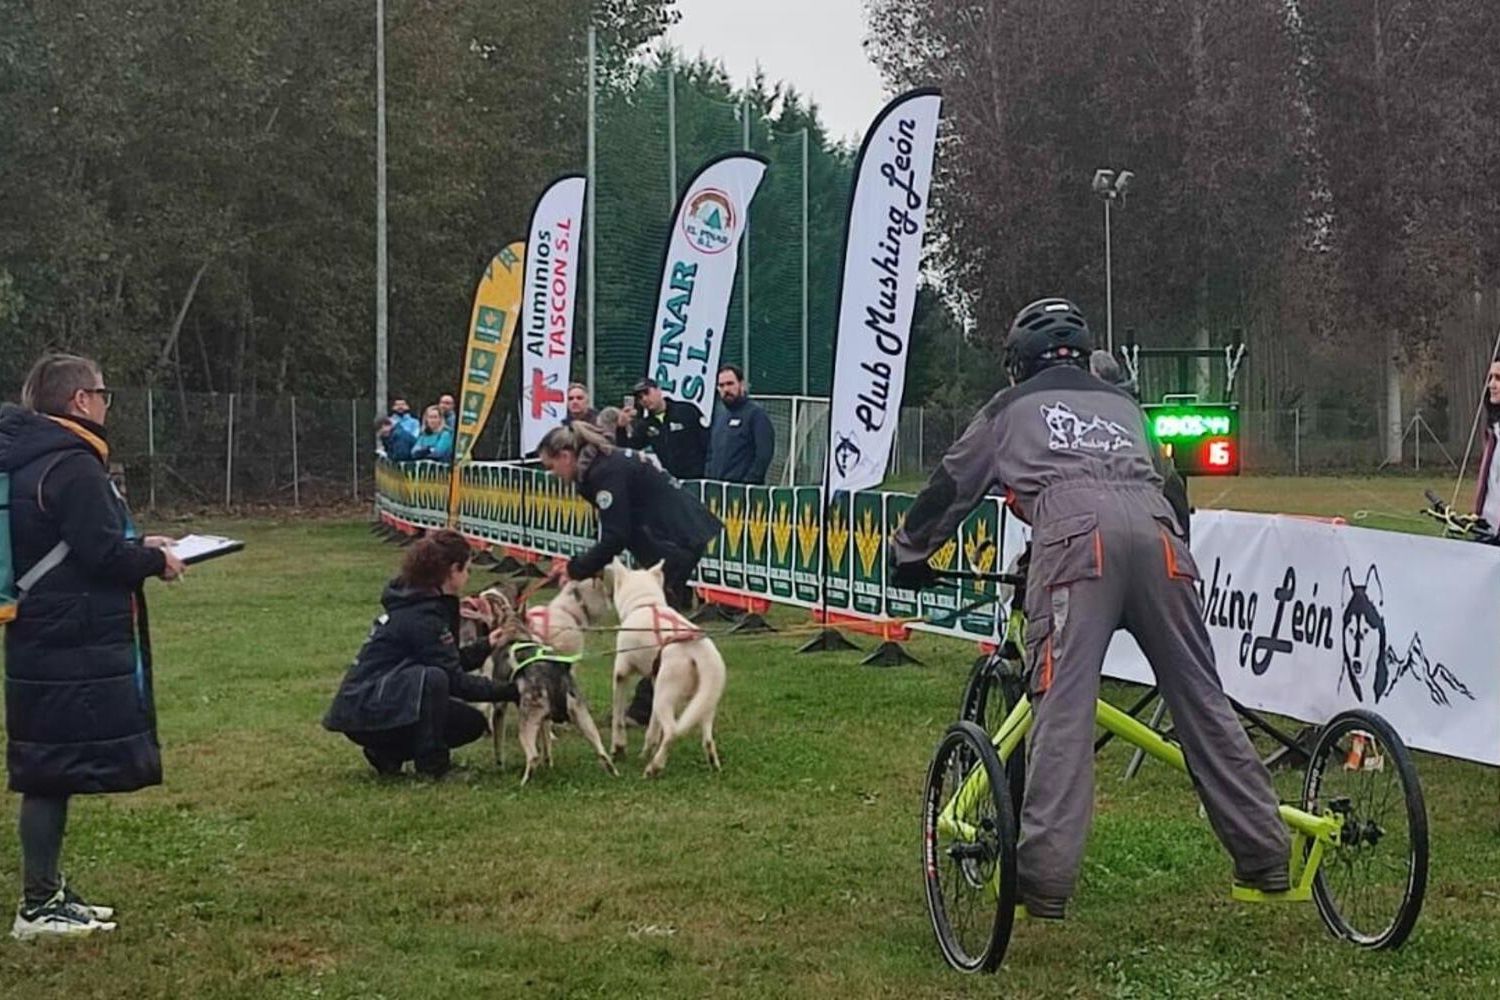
[(80, 716)]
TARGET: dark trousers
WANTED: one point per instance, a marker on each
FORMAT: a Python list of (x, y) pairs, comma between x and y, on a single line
[(442, 723), (42, 822)]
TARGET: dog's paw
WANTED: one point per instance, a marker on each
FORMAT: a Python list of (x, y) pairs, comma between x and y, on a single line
[(619, 751), (609, 766)]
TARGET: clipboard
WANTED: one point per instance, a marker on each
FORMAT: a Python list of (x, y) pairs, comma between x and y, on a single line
[(193, 549)]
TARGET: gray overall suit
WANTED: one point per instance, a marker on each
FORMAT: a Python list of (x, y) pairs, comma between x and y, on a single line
[(1074, 459)]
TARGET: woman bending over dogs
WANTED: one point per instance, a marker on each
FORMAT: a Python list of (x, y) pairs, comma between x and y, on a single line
[(641, 509), (404, 696)]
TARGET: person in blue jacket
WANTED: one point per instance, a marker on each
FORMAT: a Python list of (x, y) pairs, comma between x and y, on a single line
[(435, 444), (741, 441), (403, 418), (393, 440)]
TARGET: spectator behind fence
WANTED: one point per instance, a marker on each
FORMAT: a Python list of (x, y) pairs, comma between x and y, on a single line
[(608, 419), (392, 440), (672, 428), (1487, 503), (579, 408), (404, 418), (741, 441), (435, 443), (449, 411), (80, 713)]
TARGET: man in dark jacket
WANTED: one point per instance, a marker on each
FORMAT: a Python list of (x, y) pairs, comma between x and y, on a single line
[(741, 441), (672, 428), (80, 716), (1073, 457)]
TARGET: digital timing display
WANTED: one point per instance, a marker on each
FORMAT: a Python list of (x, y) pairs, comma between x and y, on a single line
[(1202, 438)]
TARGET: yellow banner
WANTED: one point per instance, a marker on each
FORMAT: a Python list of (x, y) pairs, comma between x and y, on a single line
[(492, 328)]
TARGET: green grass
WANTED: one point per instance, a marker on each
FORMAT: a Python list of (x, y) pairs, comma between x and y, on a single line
[(273, 864)]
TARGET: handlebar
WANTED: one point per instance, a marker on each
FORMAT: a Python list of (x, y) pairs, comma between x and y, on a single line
[(1469, 526), (1004, 579)]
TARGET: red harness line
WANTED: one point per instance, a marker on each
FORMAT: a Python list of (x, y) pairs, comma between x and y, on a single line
[(678, 628)]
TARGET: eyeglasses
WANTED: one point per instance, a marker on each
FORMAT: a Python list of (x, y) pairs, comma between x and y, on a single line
[(108, 395)]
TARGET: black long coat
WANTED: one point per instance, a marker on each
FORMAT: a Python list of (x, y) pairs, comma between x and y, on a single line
[(643, 510), (382, 689), (79, 711)]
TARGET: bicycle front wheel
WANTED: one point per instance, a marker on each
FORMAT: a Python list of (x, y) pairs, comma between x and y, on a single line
[(1369, 887), (993, 690), (969, 850)]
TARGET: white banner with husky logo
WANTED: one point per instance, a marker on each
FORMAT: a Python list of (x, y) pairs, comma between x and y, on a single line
[(882, 253), (1309, 618), (547, 307), (702, 253)]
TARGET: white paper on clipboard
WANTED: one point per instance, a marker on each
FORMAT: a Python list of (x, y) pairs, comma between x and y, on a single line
[(197, 548)]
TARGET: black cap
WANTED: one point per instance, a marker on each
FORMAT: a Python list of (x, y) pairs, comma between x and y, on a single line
[(643, 385)]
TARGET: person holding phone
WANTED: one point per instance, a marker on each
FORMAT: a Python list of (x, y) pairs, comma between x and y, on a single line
[(672, 428)]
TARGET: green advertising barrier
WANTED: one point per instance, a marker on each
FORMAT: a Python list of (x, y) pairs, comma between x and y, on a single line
[(758, 541), (732, 568), (783, 544), (773, 543), (806, 575), (838, 553), (868, 517), (711, 566), (899, 602), (979, 548)]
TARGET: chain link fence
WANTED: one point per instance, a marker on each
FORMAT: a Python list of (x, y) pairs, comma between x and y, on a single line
[(185, 450), (181, 451)]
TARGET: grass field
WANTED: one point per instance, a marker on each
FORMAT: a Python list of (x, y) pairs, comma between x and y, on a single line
[(273, 864)]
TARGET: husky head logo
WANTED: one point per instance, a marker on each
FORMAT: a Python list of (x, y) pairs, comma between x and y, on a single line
[(1067, 431), (846, 455), (1370, 662), (1364, 633)]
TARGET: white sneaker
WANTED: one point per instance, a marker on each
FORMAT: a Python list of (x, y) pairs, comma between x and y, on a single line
[(57, 917), (100, 913)]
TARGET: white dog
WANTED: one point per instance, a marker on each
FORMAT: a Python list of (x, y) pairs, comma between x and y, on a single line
[(690, 669), (563, 622)]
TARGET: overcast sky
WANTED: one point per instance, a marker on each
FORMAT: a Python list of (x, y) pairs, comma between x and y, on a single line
[(815, 45)]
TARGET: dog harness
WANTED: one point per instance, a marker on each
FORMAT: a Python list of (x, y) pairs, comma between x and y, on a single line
[(669, 626), (527, 653)]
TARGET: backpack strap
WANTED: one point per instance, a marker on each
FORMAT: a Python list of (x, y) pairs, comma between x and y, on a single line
[(44, 565), (57, 553)]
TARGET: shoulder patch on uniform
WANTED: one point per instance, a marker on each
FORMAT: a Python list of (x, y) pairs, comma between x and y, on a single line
[(605, 499)]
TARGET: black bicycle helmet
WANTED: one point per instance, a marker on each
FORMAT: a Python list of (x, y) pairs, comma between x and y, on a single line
[(1047, 332)]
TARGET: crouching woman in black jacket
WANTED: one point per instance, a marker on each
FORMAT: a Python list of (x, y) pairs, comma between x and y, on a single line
[(404, 696)]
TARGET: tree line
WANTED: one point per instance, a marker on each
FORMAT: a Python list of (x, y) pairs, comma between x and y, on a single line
[(1323, 175)]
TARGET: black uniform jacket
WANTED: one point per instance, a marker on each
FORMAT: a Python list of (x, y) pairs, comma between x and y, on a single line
[(643, 510), (677, 437)]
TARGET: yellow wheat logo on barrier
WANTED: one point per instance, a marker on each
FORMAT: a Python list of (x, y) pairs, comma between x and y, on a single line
[(781, 531), (734, 521), (867, 541), (807, 534), (838, 536), (758, 531), (979, 551), (943, 557), (713, 508)]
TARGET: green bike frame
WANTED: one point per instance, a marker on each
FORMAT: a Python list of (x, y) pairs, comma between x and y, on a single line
[(1312, 834)]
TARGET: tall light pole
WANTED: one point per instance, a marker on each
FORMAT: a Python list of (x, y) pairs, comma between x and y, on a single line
[(381, 283), (1110, 186)]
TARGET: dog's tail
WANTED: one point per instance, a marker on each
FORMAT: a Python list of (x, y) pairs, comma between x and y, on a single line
[(710, 688)]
